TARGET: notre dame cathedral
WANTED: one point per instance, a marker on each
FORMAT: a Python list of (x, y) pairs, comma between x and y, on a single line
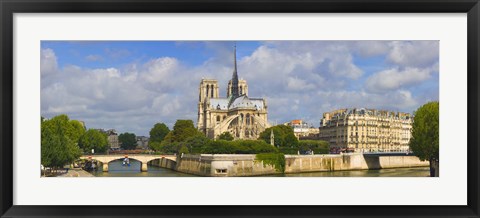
[(242, 116)]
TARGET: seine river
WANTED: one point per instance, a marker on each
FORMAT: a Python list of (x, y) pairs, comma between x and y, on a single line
[(117, 170)]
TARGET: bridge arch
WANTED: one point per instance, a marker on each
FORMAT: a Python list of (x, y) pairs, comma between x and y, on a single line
[(163, 162), (142, 158)]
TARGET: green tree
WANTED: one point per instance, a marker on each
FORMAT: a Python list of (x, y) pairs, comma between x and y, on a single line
[(317, 146), (184, 129), (226, 136), (283, 136), (196, 143), (183, 149), (155, 145), (425, 134), (167, 146), (158, 132), (93, 139), (75, 130), (128, 141), (59, 142), (238, 147), (168, 138)]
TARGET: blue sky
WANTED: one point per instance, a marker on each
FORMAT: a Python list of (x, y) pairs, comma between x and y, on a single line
[(131, 85)]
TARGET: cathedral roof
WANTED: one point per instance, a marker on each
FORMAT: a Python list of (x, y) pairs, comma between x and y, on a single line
[(244, 102), (240, 102), (219, 103)]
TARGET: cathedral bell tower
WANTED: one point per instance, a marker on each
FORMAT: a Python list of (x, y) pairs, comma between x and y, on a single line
[(208, 89)]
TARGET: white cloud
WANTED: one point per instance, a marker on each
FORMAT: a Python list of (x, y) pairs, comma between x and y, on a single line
[(370, 48), (159, 70), (296, 84), (395, 78), (414, 53), (128, 99), (48, 62), (299, 79)]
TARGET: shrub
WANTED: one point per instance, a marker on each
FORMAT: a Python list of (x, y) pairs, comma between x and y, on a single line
[(317, 146), (277, 160)]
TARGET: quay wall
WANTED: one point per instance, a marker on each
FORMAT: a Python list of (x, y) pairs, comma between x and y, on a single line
[(337, 162), (228, 165), (223, 165)]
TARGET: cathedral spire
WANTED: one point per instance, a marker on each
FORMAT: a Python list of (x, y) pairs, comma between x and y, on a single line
[(235, 58), (234, 90)]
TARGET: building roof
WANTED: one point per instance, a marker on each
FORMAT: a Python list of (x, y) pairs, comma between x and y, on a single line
[(296, 122), (240, 102), (371, 112), (245, 102), (219, 103)]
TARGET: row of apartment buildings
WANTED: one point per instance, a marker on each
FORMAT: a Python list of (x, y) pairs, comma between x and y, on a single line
[(114, 143), (359, 130), (366, 130)]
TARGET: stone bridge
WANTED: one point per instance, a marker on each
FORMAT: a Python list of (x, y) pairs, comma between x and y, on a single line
[(143, 158)]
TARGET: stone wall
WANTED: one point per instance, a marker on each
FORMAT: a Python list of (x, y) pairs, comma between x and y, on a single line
[(227, 165), (164, 162), (223, 165), (335, 162)]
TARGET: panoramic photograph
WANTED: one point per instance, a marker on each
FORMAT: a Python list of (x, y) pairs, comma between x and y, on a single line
[(239, 108)]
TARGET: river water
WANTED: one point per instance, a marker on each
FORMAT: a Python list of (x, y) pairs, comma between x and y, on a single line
[(115, 169)]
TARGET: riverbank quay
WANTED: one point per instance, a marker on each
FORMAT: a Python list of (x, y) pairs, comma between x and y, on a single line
[(350, 161), (239, 165), (76, 172)]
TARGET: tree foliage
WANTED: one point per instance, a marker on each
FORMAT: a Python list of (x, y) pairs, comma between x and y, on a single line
[(76, 130), (283, 136), (128, 141), (158, 132), (93, 139), (155, 145), (184, 129), (166, 146), (238, 147), (59, 141), (425, 132), (317, 146), (196, 143), (226, 136)]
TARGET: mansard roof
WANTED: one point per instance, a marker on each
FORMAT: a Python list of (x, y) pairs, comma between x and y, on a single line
[(373, 112)]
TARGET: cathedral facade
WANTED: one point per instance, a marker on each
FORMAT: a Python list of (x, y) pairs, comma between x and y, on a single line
[(242, 116)]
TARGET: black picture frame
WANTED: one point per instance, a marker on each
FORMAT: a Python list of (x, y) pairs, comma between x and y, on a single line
[(9, 7)]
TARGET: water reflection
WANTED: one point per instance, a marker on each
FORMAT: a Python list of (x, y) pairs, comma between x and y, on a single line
[(398, 172), (116, 169)]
